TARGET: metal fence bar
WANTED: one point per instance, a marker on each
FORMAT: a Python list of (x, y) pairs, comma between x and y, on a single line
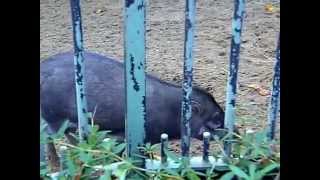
[(238, 15), (135, 83), (206, 146), (164, 146), (42, 145), (274, 101), (42, 153), (187, 77), (79, 69), (63, 157)]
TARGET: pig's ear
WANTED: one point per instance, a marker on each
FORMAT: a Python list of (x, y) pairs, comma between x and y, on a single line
[(196, 107)]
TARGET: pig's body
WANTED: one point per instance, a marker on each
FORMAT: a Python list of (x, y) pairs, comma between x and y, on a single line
[(104, 79)]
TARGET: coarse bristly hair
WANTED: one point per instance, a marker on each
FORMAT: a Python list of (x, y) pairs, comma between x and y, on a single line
[(196, 89), (200, 90)]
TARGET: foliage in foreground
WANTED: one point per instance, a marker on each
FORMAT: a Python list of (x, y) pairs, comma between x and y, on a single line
[(253, 158)]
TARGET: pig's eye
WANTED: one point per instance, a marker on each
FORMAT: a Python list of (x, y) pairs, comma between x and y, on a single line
[(196, 107)]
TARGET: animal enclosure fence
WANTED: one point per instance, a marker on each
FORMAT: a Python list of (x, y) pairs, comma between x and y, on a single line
[(135, 83)]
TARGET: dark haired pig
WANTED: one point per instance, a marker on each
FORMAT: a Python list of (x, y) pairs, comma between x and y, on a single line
[(105, 91)]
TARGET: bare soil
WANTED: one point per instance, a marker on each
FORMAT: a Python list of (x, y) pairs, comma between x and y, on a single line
[(103, 33)]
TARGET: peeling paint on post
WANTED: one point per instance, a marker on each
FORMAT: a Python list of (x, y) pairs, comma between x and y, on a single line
[(187, 77), (274, 101), (135, 89), (239, 7), (206, 146), (81, 101)]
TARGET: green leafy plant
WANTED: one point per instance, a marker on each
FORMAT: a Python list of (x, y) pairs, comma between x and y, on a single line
[(252, 173), (253, 158), (101, 157), (149, 150)]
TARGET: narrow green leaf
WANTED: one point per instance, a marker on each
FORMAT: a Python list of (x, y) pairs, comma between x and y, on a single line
[(62, 177), (106, 175), (267, 169), (261, 137), (227, 176), (191, 175), (44, 138), (121, 172), (252, 170), (92, 140), (183, 171), (84, 145), (108, 145), (213, 167), (199, 173), (94, 129), (148, 146), (85, 157), (71, 166), (172, 156), (119, 148), (210, 172), (172, 172), (140, 156), (154, 147), (43, 164), (112, 166), (244, 163), (101, 135), (239, 172), (44, 172), (61, 130), (43, 126)]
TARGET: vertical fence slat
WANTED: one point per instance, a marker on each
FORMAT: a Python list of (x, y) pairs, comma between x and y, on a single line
[(274, 101), (42, 145), (79, 69), (164, 146), (135, 89), (187, 77), (63, 157), (206, 146), (238, 15)]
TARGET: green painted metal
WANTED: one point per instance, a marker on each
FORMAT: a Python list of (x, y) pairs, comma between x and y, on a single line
[(238, 15), (186, 109), (195, 163), (83, 115), (135, 88)]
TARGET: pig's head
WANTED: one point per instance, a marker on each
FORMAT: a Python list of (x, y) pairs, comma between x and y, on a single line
[(207, 115)]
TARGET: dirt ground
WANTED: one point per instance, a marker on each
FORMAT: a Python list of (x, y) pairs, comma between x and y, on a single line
[(103, 24)]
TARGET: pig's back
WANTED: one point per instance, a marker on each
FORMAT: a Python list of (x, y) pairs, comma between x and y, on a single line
[(104, 82)]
